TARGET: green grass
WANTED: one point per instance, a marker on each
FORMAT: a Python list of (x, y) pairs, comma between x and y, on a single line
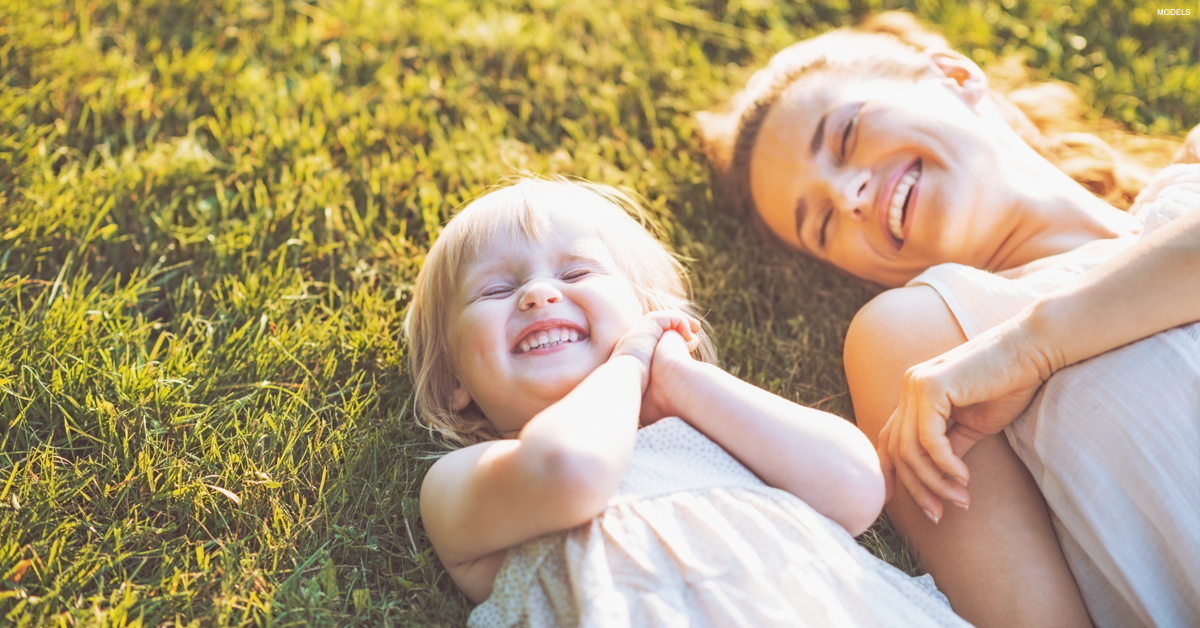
[(211, 215)]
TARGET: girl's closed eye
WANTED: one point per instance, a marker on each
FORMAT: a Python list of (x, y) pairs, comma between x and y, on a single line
[(496, 291), (576, 274)]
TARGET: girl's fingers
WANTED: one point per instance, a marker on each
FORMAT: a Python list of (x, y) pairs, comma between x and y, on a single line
[(670, 320)]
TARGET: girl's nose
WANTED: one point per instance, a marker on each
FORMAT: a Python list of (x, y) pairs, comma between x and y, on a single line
[(850, 194), (540, 294)]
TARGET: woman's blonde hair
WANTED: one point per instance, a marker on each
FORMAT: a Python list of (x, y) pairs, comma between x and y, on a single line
[(892, 44), (519, 211)]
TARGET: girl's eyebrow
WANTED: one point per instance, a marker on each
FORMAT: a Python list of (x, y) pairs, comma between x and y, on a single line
[(477, 273)]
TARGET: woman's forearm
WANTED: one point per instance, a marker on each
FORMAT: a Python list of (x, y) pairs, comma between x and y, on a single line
[(1151, 286), (814, 455)]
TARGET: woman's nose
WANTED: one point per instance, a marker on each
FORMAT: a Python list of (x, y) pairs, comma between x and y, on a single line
[(540, 294), (850, 194)]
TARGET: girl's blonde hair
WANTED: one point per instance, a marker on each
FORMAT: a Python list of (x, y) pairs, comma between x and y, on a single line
[(518, 211), (892, 44)]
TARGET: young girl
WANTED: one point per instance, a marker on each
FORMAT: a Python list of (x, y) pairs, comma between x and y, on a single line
[(546, 323)]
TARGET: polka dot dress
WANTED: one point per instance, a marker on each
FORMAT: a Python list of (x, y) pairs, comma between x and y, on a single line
[(693, 538)]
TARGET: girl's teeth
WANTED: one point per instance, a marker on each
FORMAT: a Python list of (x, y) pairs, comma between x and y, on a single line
[(548, 338)]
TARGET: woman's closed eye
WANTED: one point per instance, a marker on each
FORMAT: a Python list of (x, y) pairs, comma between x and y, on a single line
[(849, 137), (825, 226)]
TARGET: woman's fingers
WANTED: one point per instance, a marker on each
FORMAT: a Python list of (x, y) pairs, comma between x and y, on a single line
[(885, 461), (922, 468), (932, 416), (907, 441), (921, 496)]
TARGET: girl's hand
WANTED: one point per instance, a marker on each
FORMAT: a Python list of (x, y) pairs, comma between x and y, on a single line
[(671, 356), (642, 340), (951, 402)]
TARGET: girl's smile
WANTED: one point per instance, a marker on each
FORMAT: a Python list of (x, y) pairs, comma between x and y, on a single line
[(548, 335), (535, 317)]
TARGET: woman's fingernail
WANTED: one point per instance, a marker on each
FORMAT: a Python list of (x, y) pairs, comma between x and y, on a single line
[(959, 480), (929, 513), (963, 505)]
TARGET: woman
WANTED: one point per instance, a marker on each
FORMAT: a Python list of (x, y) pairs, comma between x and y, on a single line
[(885, 154)]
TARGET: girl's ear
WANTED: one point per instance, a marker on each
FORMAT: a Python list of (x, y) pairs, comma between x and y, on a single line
[(968, 79), (460, 398)]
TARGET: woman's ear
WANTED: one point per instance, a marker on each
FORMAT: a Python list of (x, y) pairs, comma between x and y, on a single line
[(460, 398), (971, 82)]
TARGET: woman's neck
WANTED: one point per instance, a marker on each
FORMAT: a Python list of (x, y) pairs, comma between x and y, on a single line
[(1052, 213)]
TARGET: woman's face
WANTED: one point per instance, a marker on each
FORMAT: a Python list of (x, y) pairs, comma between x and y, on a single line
[(883, 177)]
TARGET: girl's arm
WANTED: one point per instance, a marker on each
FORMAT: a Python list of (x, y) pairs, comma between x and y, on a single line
[(813, 455), (986, 383), (557, 474)]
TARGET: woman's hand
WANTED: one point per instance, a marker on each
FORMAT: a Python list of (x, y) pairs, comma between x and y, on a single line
[(642, 340), (951, 402)]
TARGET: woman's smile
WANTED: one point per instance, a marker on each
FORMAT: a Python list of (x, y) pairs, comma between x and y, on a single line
[(897, 202)]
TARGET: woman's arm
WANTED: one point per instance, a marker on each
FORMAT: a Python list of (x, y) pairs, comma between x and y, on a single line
[(557, 474), (814, 455), (999, 562), (986, 383)]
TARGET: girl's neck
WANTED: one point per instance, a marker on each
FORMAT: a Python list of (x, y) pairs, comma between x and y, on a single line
[(1052, 213)]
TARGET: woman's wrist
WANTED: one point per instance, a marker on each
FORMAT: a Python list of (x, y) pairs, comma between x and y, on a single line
[(1038, 332)]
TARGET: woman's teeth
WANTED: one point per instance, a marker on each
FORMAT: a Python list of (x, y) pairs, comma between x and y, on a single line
[(899, 205), (548, 338)]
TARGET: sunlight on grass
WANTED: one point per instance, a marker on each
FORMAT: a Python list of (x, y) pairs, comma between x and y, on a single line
[(211, 215)]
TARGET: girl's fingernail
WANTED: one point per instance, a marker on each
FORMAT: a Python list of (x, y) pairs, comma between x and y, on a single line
[(932, 517)]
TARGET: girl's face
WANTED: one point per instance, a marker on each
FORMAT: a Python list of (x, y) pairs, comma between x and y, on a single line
[(531, 320), (883, 177)]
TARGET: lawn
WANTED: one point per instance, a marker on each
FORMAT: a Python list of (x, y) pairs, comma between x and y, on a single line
[(212, 213)]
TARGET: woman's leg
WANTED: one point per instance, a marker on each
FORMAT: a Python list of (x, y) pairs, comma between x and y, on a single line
[(999, 562)]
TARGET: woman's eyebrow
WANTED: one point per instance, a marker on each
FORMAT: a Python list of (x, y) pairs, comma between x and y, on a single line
[(819, 135)]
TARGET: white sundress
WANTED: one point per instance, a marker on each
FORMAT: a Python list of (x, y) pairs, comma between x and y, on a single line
[(693, 538), (1113, 442)]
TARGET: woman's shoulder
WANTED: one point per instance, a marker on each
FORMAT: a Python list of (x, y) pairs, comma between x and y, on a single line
[(914, 315), (894, 331)]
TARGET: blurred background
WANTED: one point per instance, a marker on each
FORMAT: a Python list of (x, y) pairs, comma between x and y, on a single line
[(211, 215)]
